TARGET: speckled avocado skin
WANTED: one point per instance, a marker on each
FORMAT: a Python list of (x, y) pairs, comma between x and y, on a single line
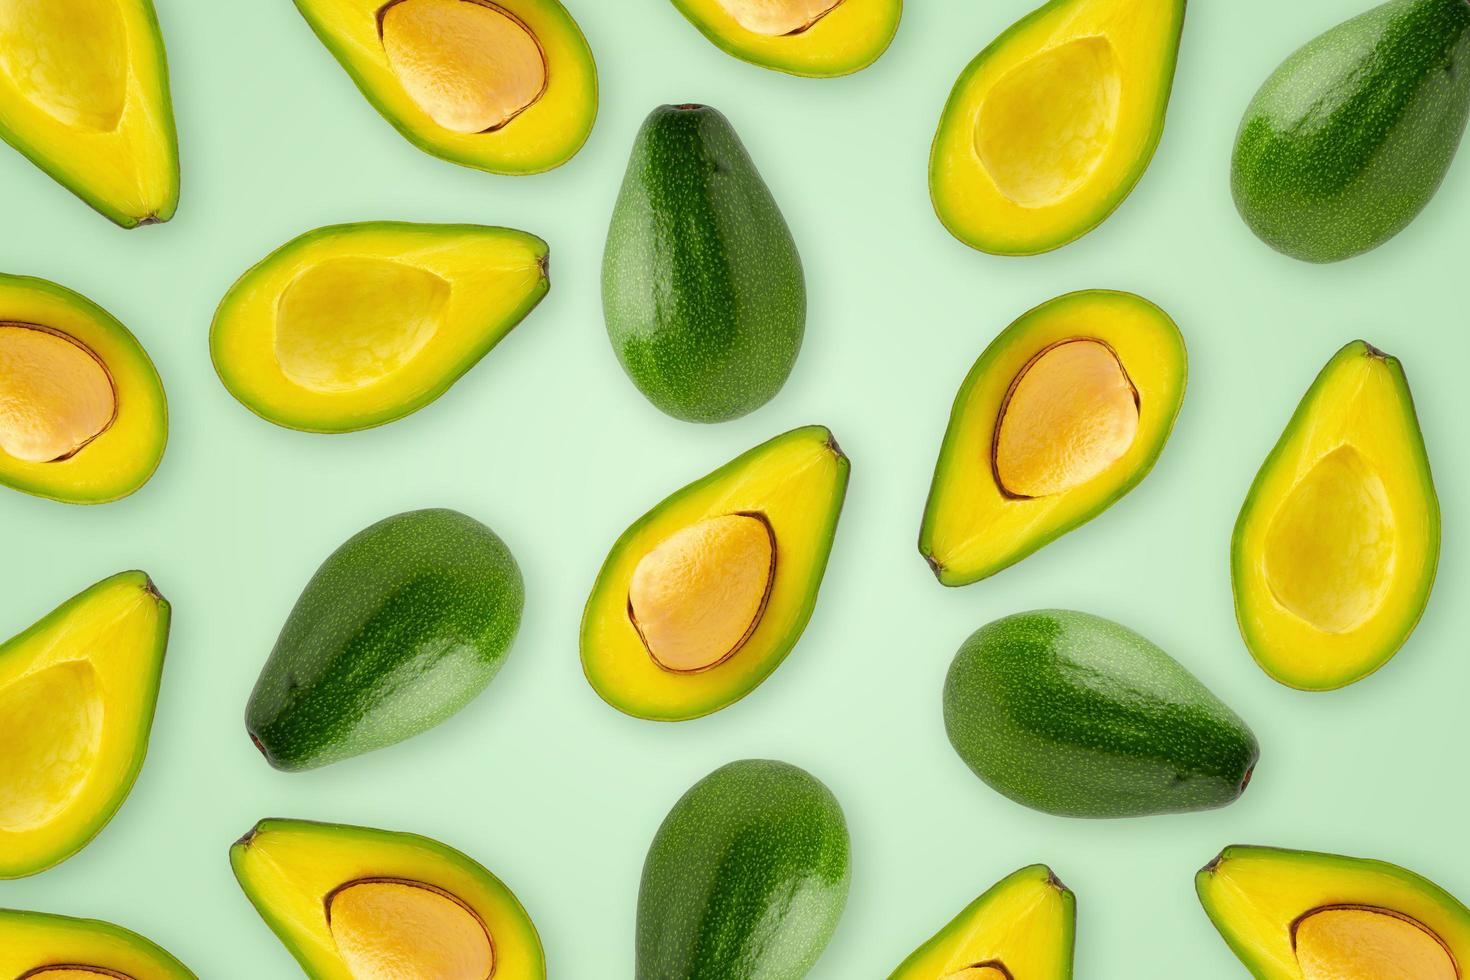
[(400, 628), (746, 878), (1075, 715), (702, 286), (1350, 137)]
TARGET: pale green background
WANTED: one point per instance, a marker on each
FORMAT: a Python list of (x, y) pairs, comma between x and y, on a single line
[(548, 443)]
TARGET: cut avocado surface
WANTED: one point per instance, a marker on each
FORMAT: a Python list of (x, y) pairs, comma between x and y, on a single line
[(351, 326), (1048, 129), (84, 94), (40, 946), (507, 86), (1023, 926), (705, 595), (816, 38), (1064, 413), (77, 693), (1335, 549), (353, 903), (1299, 915), (83, 418)]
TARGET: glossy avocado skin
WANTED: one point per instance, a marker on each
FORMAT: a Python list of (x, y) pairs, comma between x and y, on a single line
[(746, 878), (400, 628), (1072, 714), (1349, 138), (702, 286)]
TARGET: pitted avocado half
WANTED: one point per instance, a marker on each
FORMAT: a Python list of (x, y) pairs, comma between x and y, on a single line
[(351, 326), (1299, 915), (39, 946), (507, 86), (353, 903), (83, 418), (1334, 553), (705, 595), (84, 95), (1051, 126), (1022, 927), (1064, 413), (77, 692), (816, 38)]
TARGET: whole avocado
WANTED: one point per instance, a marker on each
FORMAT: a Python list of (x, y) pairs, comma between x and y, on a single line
[(1347, 141), (398, 629), (702, 286), (1076, 715), (745, 879)]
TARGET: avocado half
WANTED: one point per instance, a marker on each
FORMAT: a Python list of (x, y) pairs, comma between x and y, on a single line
[(1297, 915), (1022, 926), (1335, 549), (815, 38), (84, 95), (357, 902), (83, 417), (77, 693), (507, 86), (1050, 127), (1064, 413), (352, 326), (705, 595), (32, 944)]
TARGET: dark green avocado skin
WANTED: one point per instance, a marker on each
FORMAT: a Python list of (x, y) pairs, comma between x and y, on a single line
[(1075, 715), (1350, 137), (398, 629), (702, 287), (746, 878)]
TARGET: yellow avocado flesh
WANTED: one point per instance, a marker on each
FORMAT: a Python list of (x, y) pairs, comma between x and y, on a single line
[(1296, 915), (817, 38), (55, 947), (55, 396), (352, 326), (77, 692), (1064, 412), (1335, 548), (84, 94), (776, 18), (1022, 928), (695, 567), (387, 930), (353, 903), (507, 86), (1048, 129)]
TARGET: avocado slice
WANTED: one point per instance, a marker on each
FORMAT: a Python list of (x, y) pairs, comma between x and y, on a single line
[(1023, 926), (83, 417), (353, 903), (702, 287), (1334, 553), (1345, 143), (1075, 715), (84, 95), (815, 38), (1047, 130), (351, 326), (77, 692), (1299, 915), (704, 595), (1064, 413), (399, 628), (507, 86), (40, 946), (746, 878)]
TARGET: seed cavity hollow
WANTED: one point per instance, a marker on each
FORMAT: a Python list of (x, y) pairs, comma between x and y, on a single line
[(391, 928)]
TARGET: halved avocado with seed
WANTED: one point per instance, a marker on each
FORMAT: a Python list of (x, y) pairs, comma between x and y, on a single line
[(352, 903), (40, 946), (507, 86), (1299, 915), (1064, 413), (705, 595), (83, 417), (816, 38)]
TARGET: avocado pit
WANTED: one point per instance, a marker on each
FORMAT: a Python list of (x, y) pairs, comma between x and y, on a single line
[(1356, 942), (981, 971), (778, 18), (55, 394), (389, 928), (73, 972)]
